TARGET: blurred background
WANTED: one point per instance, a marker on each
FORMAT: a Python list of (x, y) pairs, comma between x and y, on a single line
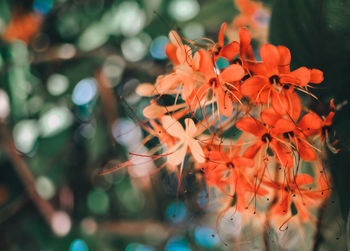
[(68, 110)]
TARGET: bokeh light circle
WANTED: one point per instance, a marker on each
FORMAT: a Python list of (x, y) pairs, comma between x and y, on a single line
[(61, 223), (206, 236), (98, 201), (78, 245), (57, 84), (183, 10), (84, 91)]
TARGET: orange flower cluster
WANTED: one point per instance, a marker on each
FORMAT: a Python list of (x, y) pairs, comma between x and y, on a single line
[(242, 124)]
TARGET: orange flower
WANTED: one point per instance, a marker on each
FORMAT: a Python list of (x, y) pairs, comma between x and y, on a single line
[(186, 71), (222, 84), (273, 79), (268, 136), (226, 170), (298, 135), (281, 134), (324, 124), (178, 152), (294, 190)]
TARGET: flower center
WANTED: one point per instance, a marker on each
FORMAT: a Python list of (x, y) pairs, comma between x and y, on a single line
[(288, 134), (325, 129), (245, 77), (218, 49), (274, 79), (214, 82), (286, 86), (236, 61), (266, 137), (230, 165)]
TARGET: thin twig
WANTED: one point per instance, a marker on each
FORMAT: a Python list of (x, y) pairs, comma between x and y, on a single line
[(137, 228), (108, 100), (268, 213), (318, 234), (52, 55), (43, 206)]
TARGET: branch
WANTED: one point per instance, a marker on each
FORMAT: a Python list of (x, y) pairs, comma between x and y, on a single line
[(43, 206), (108, 100), (137, 228)]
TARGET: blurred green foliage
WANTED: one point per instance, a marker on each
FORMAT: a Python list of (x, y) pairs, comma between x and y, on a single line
[(76, 39)]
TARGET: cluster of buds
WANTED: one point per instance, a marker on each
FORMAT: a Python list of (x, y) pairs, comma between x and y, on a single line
[(240, 121)]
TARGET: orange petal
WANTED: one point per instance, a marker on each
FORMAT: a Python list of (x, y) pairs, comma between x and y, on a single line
[(269, 116), (175, 38), (289, 79), (263, 96), (303, 75), (279, 103), (173, 127), (177, 153), (316, 76), (230, 51), (245, 39), (232, 73), (196, 62), (251, 151), (282, 126), (146, 90), (270, 56), (305, 151), (222, 34), (271, 184), (168, 82), (184, 55), (191, 128), (303, 179), (257, 68), (225, 105), (283, 205), (154, 111), (251, 125), (170, 51), (310, 121), (294, 105), (196, 150), (253, 85), (188, 87), (243, 162), (206, 64), (285, 58), (329, 119), (282, 154), (197, 96)]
